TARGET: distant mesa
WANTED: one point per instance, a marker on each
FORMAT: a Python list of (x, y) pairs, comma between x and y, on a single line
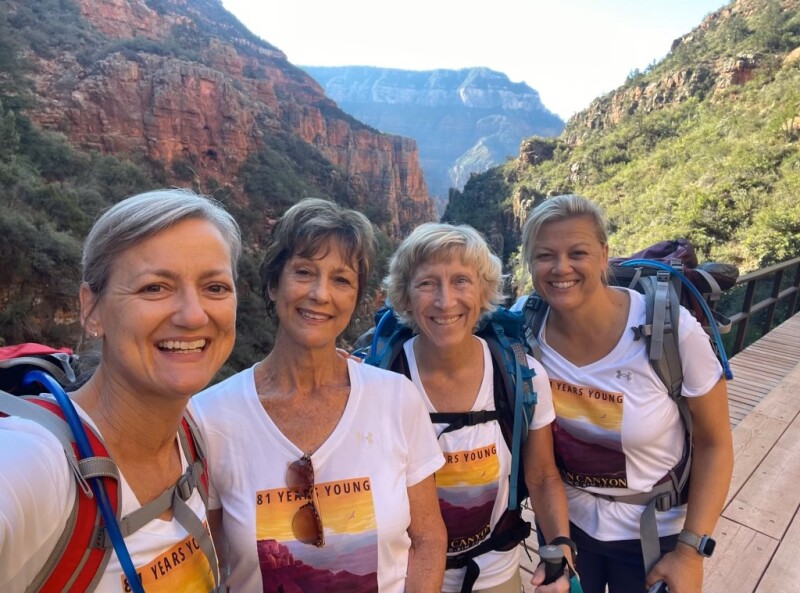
[(465, 522), (587, 458), (464, 121)]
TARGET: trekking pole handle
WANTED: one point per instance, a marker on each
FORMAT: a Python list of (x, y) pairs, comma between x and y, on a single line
[(553, 558)]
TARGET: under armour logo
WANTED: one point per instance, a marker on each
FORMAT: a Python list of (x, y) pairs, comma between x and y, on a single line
[(625, 374), (365, 437)]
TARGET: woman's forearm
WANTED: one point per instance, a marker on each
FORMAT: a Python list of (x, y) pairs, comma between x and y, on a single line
[(426, 560)]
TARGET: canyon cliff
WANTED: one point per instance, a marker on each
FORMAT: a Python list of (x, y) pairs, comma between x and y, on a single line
[(700, 145), (464, 121), (182, 83), (102, 99)]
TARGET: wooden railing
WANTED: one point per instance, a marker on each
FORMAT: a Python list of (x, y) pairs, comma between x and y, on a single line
[(782, 282)]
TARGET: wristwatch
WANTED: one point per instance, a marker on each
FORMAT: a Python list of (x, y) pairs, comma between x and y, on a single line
[(702, 543), (565, 541)]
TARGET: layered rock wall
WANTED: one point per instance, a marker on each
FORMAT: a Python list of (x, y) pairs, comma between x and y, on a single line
[(464, 121), (211, 113)]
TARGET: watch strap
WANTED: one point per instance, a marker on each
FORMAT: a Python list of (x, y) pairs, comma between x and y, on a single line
[(565, 541), (698, 542)]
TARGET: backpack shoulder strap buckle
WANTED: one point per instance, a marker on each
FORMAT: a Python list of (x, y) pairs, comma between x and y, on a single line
[(666, 501)]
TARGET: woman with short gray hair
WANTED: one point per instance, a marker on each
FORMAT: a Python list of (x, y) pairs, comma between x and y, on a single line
[(159, 299)]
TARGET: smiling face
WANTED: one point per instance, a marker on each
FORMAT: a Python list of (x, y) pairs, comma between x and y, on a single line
[(315, 298), (445, 299), (168, 313), (568, 262)]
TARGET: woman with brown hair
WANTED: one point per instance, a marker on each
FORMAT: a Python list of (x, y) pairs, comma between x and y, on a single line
[(321, 467)]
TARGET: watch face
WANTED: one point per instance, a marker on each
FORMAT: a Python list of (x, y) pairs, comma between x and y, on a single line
[(707, 546)]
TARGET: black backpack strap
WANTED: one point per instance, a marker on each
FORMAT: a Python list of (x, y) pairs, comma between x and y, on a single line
[(509, 531), (457, 420)]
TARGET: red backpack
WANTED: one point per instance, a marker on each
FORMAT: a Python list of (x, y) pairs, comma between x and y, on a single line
[(84, 548)]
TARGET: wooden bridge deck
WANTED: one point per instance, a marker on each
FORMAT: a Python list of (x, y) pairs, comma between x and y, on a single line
[(758, 535)]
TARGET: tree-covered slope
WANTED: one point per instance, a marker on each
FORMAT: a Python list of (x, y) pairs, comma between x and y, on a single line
[(704, 144)]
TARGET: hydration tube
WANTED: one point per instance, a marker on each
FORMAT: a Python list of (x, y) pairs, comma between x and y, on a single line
[(699, 297), (99, 490)]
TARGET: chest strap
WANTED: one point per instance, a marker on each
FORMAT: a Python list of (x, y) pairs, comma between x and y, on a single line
[(173, 498), (456, 420)]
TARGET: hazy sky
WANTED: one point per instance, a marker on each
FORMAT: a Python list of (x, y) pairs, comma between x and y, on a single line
[(571, 51)]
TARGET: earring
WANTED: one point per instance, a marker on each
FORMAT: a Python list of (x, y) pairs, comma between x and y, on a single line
[(94, 334)]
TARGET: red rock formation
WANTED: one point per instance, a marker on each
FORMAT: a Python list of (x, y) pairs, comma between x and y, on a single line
[(211, 114), (121, 18)]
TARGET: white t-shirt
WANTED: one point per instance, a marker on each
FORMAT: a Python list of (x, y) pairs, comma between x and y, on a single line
[(383, 444), (617, 431), (473, 484), (37, 494)]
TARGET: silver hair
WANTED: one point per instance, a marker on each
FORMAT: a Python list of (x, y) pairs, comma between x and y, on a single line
[(141, 216), (434, 242)]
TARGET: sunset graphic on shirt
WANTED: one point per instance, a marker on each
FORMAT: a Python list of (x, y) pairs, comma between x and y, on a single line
[(578, 402), (587, 438), (345, 506), (349, 559), (467, 488), (183, 568)]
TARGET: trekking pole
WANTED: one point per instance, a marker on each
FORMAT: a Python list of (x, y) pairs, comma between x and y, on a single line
[(553, 558)]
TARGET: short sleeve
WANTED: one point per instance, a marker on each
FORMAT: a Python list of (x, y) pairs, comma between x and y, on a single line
[(424, 454), (701, 368), (37, 491), (544, 413)]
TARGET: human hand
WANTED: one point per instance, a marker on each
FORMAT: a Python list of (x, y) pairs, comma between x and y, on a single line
[(681, 570), (561, 585)]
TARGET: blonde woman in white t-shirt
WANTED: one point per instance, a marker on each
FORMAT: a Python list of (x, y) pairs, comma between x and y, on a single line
[(617, 432), (443, 279)]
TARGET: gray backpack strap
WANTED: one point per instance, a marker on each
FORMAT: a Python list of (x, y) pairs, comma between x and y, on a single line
[(660, 331), (174, 498), (716, 291), (82, 470), (14, 405), (199, 449), (535, 312), (192, 524), (662, 321)]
